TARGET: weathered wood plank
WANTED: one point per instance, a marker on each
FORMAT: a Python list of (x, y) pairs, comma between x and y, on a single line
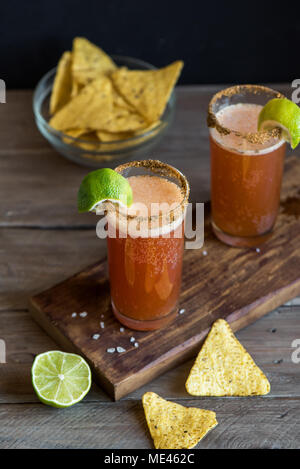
[(243, 423), (268, 340), (50, 183), (32, 260), (40, 186), (239, 285)]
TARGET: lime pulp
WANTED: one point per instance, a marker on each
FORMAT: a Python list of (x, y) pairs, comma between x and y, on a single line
[(60, 379)]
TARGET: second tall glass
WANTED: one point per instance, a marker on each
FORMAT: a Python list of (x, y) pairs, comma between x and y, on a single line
[(246, 166), (145, 267)]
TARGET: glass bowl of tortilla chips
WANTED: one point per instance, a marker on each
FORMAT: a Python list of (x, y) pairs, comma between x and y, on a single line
[(117, 111)]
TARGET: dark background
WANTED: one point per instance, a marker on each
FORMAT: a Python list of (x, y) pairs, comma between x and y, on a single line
[(220, 42)]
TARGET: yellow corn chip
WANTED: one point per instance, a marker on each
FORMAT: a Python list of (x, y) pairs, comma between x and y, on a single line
[(84, 98), (89, 61), (173, 426), (124, 117), (90, 143), (94, 108), (76, 133), (105, 136), (147, 90), (120, 102), (90, 109), (76, 88), (122, 140), (123, 121), (150, 127), (224, 368), (62, 85)]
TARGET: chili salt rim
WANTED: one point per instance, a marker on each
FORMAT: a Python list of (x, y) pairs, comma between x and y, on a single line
[(163, 170), (259, 137)]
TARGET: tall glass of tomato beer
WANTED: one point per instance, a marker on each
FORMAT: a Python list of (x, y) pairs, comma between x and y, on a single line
[(246, 166), (145, 245)]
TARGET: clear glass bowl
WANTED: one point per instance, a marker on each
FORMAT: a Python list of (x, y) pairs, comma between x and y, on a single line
[(111, 153)]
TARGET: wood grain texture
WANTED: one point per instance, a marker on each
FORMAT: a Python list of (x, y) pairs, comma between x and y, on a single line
[(34, 259), (43, 240), (243, 423), (268, 340), (239, 285), (49, 183)]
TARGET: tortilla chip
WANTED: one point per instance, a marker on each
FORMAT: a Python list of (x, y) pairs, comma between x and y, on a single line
[(76, 88), (89, 110), (150, 127), (62, 85), (224, 368), (122, 140), (90, 143), (120, 102), (173, 426), (147, 90), (89, 61), (94, 109), (124, 117), (76, 133), (125, 139), (105, 136), (123, 120)]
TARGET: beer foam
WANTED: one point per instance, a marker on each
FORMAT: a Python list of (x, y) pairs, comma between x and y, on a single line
[(154, 197), (242, 117)]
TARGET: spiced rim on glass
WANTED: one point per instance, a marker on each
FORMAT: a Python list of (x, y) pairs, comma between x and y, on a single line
[(246, 166), (145, 267)]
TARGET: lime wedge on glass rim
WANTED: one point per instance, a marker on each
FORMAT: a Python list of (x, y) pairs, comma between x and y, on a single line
[(283, 113), (60, 379), (103, 185)]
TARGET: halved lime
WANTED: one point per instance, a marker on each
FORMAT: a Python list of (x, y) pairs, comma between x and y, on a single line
[(283, 113), (102, 185), (60, 379)]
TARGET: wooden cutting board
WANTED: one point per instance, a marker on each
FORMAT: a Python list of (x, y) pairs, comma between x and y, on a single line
[(239, 285)]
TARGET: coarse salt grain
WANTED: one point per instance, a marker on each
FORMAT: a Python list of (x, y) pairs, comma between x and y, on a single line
[(111, 350), (102, 325), (122, 329), (120, 349), (74, 315), (182, 311), (136, 344), (83, 314), (132, 339), (204, 253), (96, 336), (257, 250)]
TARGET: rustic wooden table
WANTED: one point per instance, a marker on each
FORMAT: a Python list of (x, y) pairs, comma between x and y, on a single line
[(44, 240)]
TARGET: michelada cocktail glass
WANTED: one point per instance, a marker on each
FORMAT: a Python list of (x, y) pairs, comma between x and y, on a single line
[(145, 245), (246, 166)]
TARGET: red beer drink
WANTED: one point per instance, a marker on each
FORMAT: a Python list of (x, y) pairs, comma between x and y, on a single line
[(246, 166), (145, 266)]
